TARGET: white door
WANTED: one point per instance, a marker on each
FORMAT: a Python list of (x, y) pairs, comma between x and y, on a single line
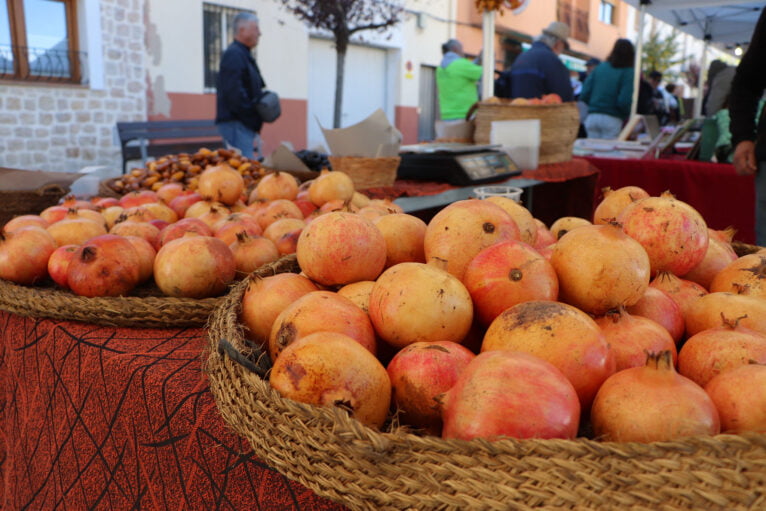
[(364, 89)]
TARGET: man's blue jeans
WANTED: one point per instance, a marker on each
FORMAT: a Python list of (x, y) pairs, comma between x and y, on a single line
[(237, 135)]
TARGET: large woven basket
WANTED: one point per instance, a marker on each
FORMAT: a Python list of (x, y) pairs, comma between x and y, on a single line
[(367, 172), (559, 124), (148, 310), (28, 202), (339, 458)]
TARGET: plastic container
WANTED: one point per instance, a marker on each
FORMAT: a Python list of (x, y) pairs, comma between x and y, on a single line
[(520, 139), (511, 192)]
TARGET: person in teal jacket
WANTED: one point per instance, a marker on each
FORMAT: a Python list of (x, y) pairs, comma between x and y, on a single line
[(456, 82), (608, 92)]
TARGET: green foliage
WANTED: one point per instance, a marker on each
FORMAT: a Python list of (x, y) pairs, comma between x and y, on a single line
[(660, 54)]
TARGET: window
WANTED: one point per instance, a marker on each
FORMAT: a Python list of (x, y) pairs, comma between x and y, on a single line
[(606, 12), (217, 22), (38, 40)]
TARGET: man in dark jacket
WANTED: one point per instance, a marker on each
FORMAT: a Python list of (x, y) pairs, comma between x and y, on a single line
[(239, 87), (747, 88), (538, 71)]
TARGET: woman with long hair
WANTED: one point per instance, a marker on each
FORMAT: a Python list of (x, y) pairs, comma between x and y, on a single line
[(608, 92)]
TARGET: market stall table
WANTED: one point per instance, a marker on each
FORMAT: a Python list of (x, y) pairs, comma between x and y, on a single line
[(722, 197), (97, 417)]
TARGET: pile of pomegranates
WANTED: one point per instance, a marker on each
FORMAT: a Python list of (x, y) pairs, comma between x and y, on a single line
[(642, 325)]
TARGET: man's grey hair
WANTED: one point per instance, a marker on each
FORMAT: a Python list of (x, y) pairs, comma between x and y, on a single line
[(452, 45), (548, 40), (241, 19)]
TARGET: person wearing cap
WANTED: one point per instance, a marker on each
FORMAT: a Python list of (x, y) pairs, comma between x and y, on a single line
[(539, 71), (590, 65), (456, 82)]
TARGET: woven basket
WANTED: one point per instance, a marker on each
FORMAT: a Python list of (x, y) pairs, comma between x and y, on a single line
[(130, 311), (367, 172), (559, 125), (28, 202), (339, 458)]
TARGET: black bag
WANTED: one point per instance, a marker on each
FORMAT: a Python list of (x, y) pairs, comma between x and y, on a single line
[(268, 107)]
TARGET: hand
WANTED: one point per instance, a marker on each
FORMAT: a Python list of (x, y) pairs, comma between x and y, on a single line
[(744, 158)]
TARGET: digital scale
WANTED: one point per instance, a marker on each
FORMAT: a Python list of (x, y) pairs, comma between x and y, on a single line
[(455, 163)]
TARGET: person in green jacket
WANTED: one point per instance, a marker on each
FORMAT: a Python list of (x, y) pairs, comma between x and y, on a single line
[(608, 92), (456, 82)]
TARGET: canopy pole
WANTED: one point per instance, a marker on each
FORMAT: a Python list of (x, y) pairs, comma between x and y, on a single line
[(488, 55), (638, 59), (700, 80)]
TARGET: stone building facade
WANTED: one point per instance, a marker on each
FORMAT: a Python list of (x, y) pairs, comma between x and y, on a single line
[(65, 127)]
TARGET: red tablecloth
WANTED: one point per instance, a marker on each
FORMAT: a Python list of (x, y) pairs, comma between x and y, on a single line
[(568, 189), (722, 197), (118, 418)]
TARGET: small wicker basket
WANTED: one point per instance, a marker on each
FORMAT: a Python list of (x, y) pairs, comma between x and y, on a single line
[(339, 458), (367, 172), (29, 202), (559, 124)]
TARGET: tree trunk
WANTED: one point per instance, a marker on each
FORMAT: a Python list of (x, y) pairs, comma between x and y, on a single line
[(340, 67)]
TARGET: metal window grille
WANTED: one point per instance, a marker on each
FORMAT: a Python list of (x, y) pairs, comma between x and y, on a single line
[(44, 64), (217, 20)]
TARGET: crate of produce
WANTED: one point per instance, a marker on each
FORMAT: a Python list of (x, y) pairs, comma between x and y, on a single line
[(363, 468)]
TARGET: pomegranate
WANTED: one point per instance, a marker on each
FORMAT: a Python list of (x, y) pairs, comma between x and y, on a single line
[(25, 221), (277, 229), (146, 254), (112, 215), (331, 185), (706, 313), (673, 233), (567, 223), (714, 351), (461, 230), (277, 210), (652, 403), (739, 407), (287, 243), (102, 203), (615, 201), (169, 191), (743, 276), (684, 292), (718, 256), (221, 183), (658, 306), (183, 227), (600, 268), (320, 311), (404, 235), (137, 198), (53, 214), (58, 263), (181, 203), (252, 252), (521, 215), (413, 302), (194, 267), (276, 185), (143, 230), (631, 337), (306, 206), (24, 254), (161, 211), (560, 334), (75, 230), (507, 393), (266, 297), (214, 216), (331, 369), (508, 273), (419, 373), (105, 265), (544, 237), (358, 293), (339, 248), (203, 207), (227, 229)]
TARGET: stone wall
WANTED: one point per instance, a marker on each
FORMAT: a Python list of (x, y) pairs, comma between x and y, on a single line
[(67, 127)]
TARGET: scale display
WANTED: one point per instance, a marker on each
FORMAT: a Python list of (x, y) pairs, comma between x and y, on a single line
[(462, 168)]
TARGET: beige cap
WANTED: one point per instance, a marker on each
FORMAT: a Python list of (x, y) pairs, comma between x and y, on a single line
[(558, 29)]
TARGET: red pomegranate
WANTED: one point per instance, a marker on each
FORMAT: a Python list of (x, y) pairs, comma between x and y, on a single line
[(684, 292), (106, 265), (707, 311), (658, 306), (404, 235), (508, 273), (420, 373), (58, 263), (24, 254), (652, 403), (631, 337), (615, 201), (194, 267), (741, 409), (507, 393), (718, 256), (673, 233), (743, 276)]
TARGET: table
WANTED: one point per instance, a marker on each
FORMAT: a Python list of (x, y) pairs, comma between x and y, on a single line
[(109, 418), (722, 197), (560, 189)]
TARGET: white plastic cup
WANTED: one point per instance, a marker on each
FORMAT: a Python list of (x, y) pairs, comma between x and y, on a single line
[(511, 192), (520, 139)]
